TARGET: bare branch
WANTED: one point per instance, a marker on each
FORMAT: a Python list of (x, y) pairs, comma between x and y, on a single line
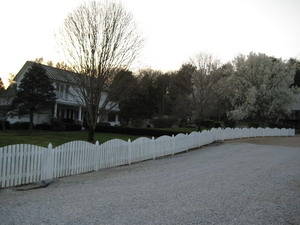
[(98, 39)]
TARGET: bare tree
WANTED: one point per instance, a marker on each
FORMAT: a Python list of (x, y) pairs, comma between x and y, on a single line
[(181, 92), (203, 81), (39, 60), (98, 39), (62, 65)]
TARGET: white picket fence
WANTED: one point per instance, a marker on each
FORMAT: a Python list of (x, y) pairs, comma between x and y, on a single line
[(23, 163)]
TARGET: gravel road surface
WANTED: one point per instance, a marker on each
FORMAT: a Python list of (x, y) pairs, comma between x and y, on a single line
[(224, 183)]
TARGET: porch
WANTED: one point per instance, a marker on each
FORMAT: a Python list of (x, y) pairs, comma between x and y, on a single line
[(75, 114)]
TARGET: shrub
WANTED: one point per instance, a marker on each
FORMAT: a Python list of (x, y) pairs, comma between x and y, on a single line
[(43, 126), (68, 120), (283, 124), (20, 126), (103, 124), (190, 126), (207, 124), (73, 127), (230, 123), (253, 124), (163, 122), (134, 131), (7, 125), (58, 125), (218, 124), (182, 123)]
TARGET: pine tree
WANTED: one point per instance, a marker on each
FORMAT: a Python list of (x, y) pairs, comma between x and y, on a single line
[(34, 91)]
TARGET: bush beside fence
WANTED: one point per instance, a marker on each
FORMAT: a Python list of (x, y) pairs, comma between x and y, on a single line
[(134, 131), (24, 164)]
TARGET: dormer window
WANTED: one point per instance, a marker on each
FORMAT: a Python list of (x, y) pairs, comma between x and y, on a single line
[(67, 92)]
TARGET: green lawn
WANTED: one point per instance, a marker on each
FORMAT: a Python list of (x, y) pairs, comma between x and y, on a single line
[(55, 138)]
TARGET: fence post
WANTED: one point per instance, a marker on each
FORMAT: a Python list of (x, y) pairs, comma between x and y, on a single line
[(47, 164), (96, 156), (129, 151), (153, 147), (198, 139), (188, 141), (173, 144)]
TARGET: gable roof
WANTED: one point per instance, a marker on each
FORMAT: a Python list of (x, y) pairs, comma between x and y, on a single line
[(53, 73)]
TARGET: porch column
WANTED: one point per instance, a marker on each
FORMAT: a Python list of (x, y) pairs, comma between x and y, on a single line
[(65, 113), (79, 114), (55, 111), (117, 118)]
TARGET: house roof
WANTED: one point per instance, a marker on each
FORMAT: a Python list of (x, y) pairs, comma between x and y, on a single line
[(53, 73)]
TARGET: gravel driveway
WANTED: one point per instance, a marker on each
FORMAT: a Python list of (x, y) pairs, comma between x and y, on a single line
[(225, 183)]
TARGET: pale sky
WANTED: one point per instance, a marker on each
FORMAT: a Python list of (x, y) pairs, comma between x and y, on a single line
[(174, 30)]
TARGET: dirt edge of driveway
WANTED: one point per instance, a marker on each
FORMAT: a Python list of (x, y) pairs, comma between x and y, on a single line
[(276, 141)]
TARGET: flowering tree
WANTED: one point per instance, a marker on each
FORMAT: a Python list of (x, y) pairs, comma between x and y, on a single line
[(262, 87)]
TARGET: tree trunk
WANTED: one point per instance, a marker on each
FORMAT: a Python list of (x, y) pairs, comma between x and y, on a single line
[(3, 125), (91, 133), (30, 120)]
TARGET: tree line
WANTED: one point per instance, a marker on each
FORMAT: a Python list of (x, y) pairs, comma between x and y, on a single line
[(255, 88)]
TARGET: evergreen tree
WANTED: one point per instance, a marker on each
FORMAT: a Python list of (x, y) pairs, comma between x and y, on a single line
[(34, 91)]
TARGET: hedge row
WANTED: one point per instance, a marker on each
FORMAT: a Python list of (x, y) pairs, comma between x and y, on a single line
[(7, 125), (56, 126), (135, 131)]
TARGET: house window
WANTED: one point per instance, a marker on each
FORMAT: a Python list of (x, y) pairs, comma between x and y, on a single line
[(57, 89), (72, 114), (76, 115), (61, 91), (111, 117), (68, 114), (67, 92)]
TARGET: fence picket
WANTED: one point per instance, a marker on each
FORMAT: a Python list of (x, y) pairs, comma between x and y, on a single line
[(34, 174), (8, 165), (4, 168), (31, 168), (24, 164), (1, 166), (13, 159)]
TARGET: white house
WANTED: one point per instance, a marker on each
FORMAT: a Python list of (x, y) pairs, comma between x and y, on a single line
[(68, 105)]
